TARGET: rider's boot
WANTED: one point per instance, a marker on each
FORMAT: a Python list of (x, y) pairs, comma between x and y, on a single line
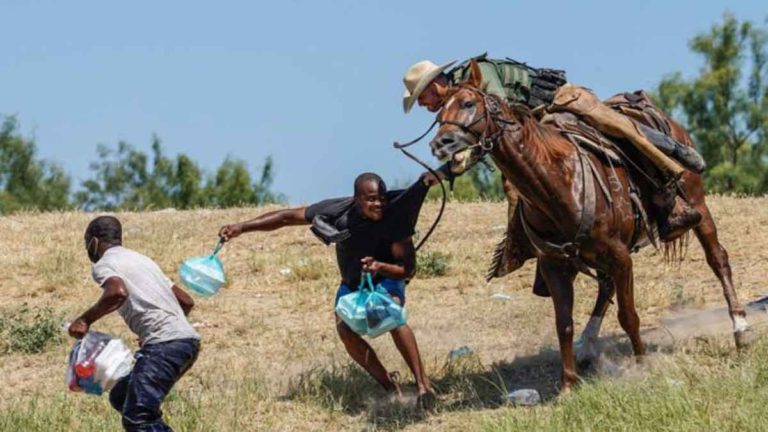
[(674, 216)]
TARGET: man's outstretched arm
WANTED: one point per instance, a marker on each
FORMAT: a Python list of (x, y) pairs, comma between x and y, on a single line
[(266, 222)]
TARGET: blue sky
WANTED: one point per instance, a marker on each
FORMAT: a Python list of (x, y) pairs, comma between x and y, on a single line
[(317, 85)]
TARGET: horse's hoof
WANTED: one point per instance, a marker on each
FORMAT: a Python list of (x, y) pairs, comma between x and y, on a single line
[(565, 392), (586, 364), (586, 355), (744, 338)]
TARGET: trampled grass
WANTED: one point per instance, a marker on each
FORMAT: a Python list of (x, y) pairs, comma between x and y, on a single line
[(271, 359)]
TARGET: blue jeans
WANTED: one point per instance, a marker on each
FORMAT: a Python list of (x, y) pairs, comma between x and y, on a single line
[(395, 288), (139, 394)]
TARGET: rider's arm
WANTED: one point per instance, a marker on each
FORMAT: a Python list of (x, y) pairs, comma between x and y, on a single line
[(266, 222)]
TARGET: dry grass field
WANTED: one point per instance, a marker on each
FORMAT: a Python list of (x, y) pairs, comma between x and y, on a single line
[(271, 359)]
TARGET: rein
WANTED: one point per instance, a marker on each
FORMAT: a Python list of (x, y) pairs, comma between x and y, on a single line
[(483, 142), (402, 148)]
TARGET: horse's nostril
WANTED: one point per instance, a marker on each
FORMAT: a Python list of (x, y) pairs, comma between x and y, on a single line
[(447, 140)]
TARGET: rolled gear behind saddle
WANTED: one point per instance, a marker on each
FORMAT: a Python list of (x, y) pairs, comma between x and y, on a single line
[(656, 126), (685, 155), (529, 85), (583, 102)]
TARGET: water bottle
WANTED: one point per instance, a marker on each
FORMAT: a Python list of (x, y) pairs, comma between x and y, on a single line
[(460, 352), (524, 397)]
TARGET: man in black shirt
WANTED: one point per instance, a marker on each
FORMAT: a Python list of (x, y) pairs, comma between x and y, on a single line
[(372, 231)]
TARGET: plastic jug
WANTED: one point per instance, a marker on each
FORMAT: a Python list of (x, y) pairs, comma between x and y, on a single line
[(203, 275)]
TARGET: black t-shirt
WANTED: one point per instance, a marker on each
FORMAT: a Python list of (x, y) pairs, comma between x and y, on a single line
[(368, 238)]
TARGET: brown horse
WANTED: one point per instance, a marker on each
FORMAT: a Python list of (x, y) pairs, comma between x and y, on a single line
[(574, 225)]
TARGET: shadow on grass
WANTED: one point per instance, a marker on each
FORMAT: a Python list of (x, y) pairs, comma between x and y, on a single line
[(461, 384)]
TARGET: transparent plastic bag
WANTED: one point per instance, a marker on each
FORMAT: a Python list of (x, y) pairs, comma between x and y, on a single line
[(203, 275), (97, 362), (382, 314), (370, 311)]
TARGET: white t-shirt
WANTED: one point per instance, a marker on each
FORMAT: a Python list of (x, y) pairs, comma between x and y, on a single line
[(151, 310)]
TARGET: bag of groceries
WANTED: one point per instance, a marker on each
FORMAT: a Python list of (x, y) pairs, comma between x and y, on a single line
[(370, 311), (97, 362)]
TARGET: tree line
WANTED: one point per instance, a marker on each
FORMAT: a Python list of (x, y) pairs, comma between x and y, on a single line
[(124, 178)]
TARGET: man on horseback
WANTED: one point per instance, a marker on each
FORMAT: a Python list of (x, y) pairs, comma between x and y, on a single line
[(579, 205), (547, 90)]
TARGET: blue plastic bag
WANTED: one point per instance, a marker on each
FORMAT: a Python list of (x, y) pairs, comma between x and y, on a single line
[(203, 275), (370, 311)]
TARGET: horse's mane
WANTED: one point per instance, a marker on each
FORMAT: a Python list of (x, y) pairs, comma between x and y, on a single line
[(544, 142)]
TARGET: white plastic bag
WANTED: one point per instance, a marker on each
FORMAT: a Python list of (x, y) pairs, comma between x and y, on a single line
[(97, 362)]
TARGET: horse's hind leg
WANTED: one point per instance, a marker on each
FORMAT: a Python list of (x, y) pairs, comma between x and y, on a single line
[(717, 258), (559, 276), (586, 346), (623, 280)]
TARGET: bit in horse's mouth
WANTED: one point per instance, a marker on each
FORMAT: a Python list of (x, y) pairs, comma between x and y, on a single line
[(461, 161)]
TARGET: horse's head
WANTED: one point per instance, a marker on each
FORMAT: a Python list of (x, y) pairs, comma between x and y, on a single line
[(465, 124)]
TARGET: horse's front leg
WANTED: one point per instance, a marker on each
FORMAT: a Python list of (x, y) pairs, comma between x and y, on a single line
[(717, 258), (587, 351), (559, 276)]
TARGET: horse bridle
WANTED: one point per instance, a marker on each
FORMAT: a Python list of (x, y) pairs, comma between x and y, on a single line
[(485, 142)]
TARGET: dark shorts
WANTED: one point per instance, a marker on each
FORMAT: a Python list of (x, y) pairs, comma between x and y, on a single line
[(395, 288)]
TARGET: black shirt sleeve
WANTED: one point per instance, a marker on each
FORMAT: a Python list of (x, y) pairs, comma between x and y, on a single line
[(331, 208), (403, 212)]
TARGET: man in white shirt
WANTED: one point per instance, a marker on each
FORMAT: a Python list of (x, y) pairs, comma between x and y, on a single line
[(154, 308)]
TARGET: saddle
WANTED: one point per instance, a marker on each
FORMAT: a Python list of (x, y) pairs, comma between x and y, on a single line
[(515, 248)]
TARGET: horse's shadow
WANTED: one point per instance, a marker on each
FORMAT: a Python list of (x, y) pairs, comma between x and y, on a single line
[(461, 384)]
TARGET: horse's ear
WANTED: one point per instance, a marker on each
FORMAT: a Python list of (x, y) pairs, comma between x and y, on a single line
[(475, 75)]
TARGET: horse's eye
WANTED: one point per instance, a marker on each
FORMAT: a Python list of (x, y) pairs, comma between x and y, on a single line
[(468, 104)]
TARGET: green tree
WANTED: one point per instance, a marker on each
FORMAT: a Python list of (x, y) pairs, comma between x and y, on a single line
[(25, 181), (725, 107), (120, 175), (187, 191), (478, 184), (263, 187), (231, 186), (126, 178)]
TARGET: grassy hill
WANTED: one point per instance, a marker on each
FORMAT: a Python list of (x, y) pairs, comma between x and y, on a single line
[(271, 359)]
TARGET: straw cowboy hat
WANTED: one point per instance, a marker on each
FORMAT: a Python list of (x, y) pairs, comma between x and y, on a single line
[(417, 78)]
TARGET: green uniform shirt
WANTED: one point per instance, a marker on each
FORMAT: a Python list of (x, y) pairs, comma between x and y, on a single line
[(504, 79)]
